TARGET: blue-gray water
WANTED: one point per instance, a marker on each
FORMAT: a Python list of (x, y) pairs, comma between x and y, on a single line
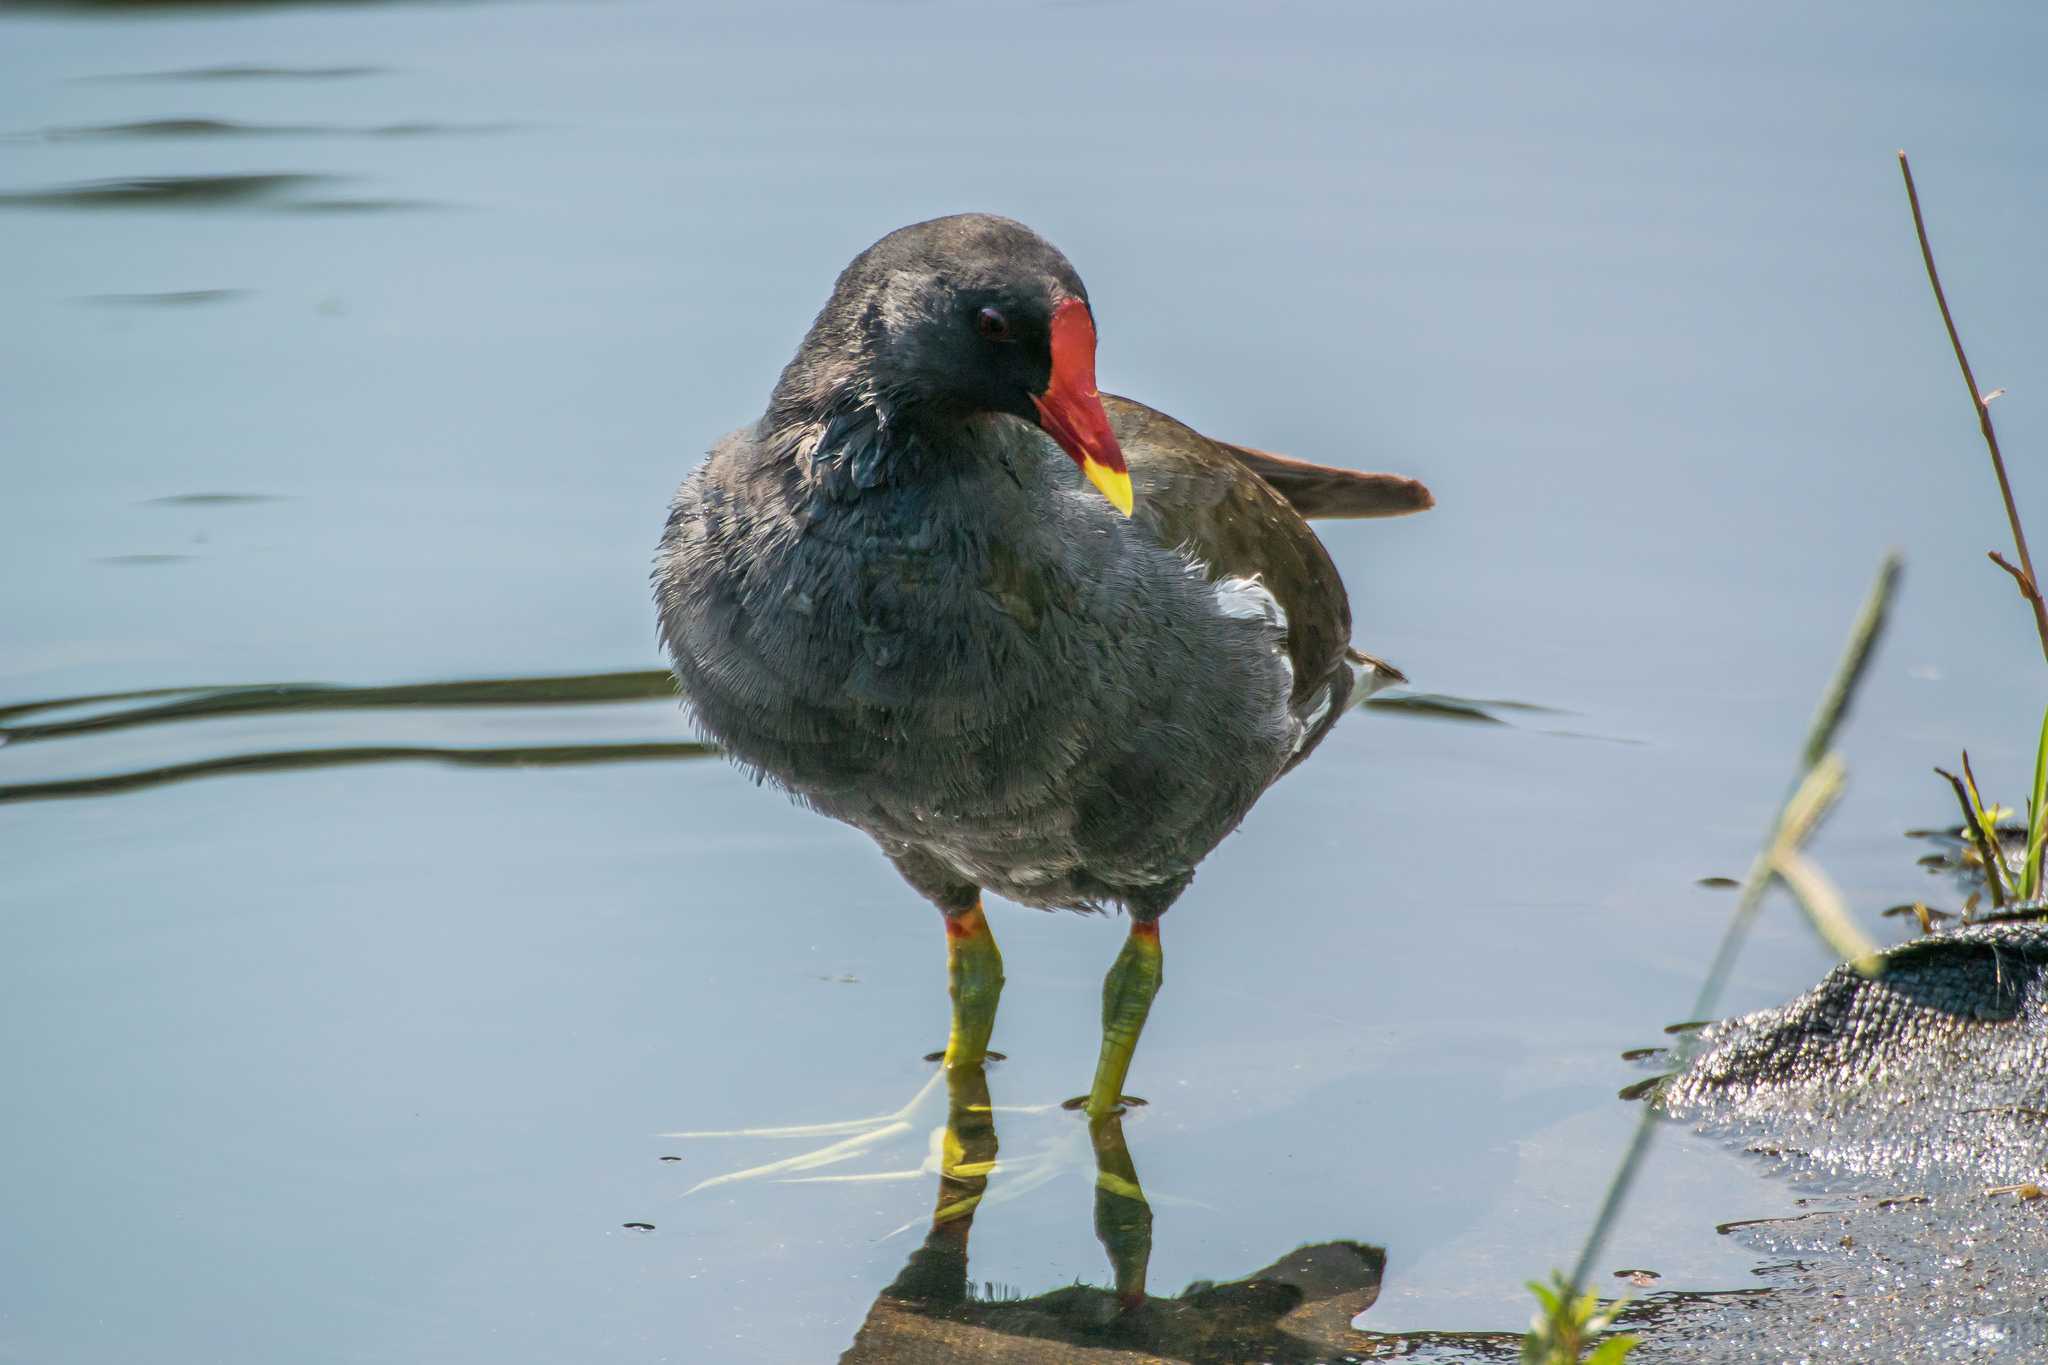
[(369, 1064)]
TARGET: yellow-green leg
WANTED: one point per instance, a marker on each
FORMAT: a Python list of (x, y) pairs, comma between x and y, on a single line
[(1126, 999), (974, 978)]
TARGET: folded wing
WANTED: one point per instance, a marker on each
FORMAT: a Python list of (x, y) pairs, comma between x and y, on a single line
[(1241, 513)]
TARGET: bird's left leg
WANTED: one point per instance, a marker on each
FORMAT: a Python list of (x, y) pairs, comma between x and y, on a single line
[(974, 978), (1126, 999)]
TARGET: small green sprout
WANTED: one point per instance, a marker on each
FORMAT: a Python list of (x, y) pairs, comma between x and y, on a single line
[(1566, 1325)]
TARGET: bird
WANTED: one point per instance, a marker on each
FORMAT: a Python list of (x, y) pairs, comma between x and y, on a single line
[(1033, 639)]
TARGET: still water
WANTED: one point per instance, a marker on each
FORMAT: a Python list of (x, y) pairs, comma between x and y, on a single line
[(363, 345)]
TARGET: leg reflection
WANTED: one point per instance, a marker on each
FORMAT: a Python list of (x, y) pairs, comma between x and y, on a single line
[(968, 1153), (1296, 1311), (936, 1276), (1123, 1218)]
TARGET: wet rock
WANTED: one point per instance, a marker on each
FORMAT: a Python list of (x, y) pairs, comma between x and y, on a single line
[(1916, 1105), (1298, 1309)]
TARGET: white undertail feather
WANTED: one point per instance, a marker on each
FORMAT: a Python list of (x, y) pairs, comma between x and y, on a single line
[(1247, 599), (1370, 675), (1250, 600)]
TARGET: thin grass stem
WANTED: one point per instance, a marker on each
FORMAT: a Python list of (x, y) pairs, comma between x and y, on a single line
[(2037, 819), (1986, 849), (2029, 582), (1827, 721)]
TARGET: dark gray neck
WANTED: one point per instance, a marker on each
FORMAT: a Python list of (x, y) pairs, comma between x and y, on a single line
[(856, 442)]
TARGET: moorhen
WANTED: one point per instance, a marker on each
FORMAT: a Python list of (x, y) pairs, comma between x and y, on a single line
[(892, 597)]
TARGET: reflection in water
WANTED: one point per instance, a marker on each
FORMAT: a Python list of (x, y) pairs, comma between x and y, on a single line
[(1297, 1309)]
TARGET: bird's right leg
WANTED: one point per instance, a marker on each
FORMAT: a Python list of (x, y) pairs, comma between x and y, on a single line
[(1126, 1000), (974, 968), (974, 979)]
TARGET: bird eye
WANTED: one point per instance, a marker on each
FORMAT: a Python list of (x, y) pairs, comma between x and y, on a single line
[(992, 325)]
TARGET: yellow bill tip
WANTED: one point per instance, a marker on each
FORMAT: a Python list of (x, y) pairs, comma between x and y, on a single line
[(1114, 484)]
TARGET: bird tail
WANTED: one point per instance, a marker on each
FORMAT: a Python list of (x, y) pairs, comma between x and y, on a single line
[(1370, 675), (1317, 490)]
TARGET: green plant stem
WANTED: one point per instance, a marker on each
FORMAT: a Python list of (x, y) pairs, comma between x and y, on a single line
[(1987, 848), (2037, 819), (2029, 584), (1827, 721)]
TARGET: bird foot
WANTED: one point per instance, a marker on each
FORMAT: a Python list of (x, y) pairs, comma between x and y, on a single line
[(878, 1144), (854, 1137), (1123, 1102), (990, 1057)]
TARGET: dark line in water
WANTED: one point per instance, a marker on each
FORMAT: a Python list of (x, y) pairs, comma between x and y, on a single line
[(1507, 705), (574, 690), (165, 129), (242, 73), (1478, 711), (210, 499), (425, 128), (1434, 705), (1588, 734), (159, 128), (24, 708), (165, 191), (172, 298), (543, 756), (362, 206)]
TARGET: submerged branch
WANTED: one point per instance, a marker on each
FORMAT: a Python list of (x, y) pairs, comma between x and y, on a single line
[(214, 702), (529, 756)]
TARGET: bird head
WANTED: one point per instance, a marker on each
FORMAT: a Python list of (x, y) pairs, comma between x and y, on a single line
[(976, 314)]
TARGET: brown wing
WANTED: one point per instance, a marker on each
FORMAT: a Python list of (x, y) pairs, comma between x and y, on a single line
[(1197, 494)]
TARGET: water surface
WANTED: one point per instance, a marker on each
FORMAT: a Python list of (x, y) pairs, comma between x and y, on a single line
[(371, 1061)]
